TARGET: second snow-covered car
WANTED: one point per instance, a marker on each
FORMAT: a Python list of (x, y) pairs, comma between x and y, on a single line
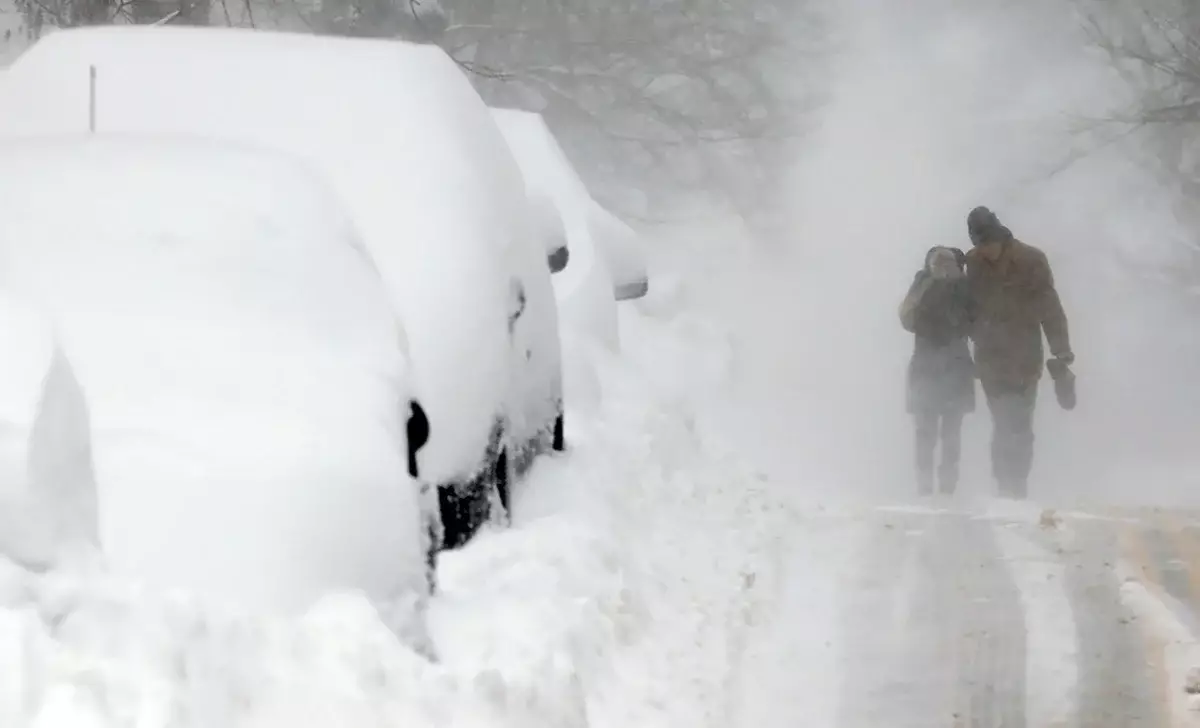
[(549, 175), (413, 154)]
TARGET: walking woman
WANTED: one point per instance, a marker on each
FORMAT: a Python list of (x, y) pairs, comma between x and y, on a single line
[(938, 310)]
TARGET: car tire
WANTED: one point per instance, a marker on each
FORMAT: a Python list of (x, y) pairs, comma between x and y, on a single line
[(465, 508)]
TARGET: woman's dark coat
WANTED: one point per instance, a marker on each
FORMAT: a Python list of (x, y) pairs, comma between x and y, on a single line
[(941, 374)]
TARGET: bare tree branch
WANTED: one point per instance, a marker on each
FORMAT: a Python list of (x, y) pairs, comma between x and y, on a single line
[(1154, 45), (657, 89)]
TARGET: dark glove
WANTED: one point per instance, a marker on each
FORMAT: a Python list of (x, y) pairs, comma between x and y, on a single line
[(1067, 358), (1064, 381)]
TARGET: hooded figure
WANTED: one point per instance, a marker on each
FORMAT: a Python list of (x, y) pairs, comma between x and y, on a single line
[(1015, 300), (941, 379)]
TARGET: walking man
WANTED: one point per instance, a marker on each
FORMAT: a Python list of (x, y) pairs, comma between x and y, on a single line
[(1014, 302)]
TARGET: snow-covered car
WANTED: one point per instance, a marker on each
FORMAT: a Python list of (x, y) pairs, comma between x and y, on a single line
[(549, 175), (414, 155), (583, 285), (228, 371)]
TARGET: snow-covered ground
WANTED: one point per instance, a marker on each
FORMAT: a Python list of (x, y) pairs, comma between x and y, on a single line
[(627, 593)]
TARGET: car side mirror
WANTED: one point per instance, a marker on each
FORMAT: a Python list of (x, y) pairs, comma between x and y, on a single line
[(417, 429), (632, 290), (548, 225), (558, 259)]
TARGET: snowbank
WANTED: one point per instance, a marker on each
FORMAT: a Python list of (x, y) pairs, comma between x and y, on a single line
[(624, 594), (242, 368), (398, 129)]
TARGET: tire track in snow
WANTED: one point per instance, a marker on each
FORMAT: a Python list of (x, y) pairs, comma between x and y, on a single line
[(1127, 583), (979, 595), (934, 628), (1114, 681), (1003, 618), (896, 661), (1051, 635), (1171, 645)]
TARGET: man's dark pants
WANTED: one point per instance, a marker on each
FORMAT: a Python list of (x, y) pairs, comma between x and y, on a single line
[(1012, 408)]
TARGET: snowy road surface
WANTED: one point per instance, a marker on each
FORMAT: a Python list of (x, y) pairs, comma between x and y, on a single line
[(994, 614)]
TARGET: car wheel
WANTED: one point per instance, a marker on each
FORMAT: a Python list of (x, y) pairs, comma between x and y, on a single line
[(465, 507)]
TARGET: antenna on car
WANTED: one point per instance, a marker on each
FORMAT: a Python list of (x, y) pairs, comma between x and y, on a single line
[(92, 99)]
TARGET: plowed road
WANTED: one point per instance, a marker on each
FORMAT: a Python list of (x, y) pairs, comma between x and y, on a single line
[(1009, 615)]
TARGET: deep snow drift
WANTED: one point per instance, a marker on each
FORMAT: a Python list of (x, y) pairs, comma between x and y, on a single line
[(625, 594)]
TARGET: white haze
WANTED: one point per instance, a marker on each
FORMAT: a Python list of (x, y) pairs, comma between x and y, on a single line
[(938, 107)]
